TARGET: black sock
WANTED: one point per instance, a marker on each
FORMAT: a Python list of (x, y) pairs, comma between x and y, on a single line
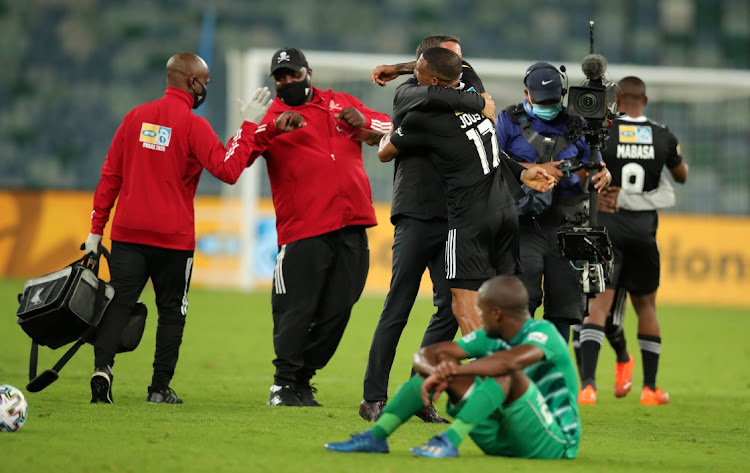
[(576, 329), (591, 338), (616, 337), (650, 350)]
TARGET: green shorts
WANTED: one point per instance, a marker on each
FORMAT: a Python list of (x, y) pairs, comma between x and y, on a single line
[(523, 429)]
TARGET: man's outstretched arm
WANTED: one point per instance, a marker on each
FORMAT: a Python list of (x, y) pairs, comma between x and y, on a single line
[(387, 72)]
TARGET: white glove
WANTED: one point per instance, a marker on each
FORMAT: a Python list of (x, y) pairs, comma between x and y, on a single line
[(92, 243), (256, 108)]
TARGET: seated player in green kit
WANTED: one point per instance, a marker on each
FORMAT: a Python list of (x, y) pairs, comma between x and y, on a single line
[(517, 399)]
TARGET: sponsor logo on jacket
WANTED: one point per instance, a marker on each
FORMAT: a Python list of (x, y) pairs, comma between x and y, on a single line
[(155, 137)]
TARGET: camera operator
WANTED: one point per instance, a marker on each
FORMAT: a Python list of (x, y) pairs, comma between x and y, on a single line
[(539, 132), (638, 150)]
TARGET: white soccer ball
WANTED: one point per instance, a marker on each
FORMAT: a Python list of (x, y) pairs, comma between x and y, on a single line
[(13, 408)]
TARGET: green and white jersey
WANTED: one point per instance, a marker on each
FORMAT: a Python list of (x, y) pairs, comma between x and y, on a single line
[(554, 375)]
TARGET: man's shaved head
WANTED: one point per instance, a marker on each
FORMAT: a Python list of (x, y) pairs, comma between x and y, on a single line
[(632, 86), (507, 293), (182, 67), (631, 96)]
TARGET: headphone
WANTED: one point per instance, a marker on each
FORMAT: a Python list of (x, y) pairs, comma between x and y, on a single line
[(564, 76)]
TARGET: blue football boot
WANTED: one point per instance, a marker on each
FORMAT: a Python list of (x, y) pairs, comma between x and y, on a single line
[(363, 442), (438, 447)]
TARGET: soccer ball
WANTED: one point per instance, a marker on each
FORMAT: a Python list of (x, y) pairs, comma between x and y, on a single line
[(13, 408)]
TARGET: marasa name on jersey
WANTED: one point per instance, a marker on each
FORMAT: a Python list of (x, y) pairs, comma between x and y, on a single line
[(635, 151), (468, 119)]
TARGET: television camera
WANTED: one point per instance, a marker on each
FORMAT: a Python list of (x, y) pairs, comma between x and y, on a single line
[(593, 107), (594, 100), (590, 251)]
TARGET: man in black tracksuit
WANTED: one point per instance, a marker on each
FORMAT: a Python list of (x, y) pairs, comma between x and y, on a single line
[(419, 215)]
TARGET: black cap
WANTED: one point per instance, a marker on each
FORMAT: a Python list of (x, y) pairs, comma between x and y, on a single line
[(289, 58), (544, 82)]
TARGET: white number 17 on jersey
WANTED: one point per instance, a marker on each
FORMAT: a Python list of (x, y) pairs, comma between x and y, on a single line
[(475, 135)]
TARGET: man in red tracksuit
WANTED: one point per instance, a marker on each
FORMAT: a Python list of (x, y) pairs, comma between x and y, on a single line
[(323, 204), (152, 170)]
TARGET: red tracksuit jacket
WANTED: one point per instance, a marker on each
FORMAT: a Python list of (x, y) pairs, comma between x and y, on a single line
[(318, 180), (153, 166)]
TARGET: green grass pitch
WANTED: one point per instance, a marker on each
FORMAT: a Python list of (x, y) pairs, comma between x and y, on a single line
[(225, 371)]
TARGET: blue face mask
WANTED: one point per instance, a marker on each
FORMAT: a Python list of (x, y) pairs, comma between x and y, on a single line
[(546, 112)]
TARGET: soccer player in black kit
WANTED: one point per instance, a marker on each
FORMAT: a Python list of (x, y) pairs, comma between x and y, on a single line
[(480, 182), (420, 220), (636, 153)]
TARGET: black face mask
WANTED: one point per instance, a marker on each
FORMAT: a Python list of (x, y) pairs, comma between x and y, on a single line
[(294, 93), (198, 99)]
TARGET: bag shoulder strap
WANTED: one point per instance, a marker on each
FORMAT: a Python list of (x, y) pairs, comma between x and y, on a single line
[(547, 148), (33, 359), (516, 113), (86, 336)]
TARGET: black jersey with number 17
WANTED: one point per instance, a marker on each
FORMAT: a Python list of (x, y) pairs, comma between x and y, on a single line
[(464, 150), (637, 151)]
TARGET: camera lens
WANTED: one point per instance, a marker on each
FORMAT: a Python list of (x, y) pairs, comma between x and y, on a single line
[(588, 103)]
